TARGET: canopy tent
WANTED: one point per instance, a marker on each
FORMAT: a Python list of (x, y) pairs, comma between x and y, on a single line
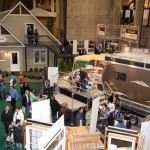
[(88, 58)]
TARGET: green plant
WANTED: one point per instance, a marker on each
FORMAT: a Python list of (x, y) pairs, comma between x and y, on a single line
[(41, 70), (30, 69), (5, 73), (36, 69), (62, 66), (69, 66)]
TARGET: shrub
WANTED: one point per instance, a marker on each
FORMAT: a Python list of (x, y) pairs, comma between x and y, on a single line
[(62, 66), (36, 69), (41, 70), (30, 69), (5, 74)]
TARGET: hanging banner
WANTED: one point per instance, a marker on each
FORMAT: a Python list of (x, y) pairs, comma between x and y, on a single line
[(129, 33), (100, 30)]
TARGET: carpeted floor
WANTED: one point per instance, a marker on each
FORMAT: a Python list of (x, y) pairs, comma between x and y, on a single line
[(3, 104)]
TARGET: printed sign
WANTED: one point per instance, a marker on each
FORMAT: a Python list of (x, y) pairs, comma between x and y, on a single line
[(129, 33), (100, 30), (3, 39)]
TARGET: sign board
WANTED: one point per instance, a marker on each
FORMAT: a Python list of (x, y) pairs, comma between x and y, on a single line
[(3, 39), (100, 30), (53, 75), (129, 33)]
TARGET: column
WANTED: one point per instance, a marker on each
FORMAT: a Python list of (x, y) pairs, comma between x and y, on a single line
[(52, 6), (86, 45), (75, 47), (34, 4), (138, 12)]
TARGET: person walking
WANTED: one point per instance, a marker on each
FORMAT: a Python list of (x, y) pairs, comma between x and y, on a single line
[(14, 95), (18, 135), (6, 118)]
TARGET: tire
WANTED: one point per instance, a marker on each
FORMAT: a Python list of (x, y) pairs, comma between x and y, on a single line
[(134, 120)]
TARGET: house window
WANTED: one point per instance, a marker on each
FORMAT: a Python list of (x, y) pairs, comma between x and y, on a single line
[(2, 56), (40, 56)]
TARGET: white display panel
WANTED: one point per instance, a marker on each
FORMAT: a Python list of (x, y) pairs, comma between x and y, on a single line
[(41, 111), (55, 133), (145, 136), (53, 75), (95, 105)]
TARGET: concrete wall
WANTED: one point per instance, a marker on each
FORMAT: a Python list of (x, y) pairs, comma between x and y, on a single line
[(5, 65), (84, 15)]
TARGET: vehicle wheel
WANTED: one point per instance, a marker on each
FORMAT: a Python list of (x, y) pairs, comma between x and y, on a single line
[(147, 118), (134, 120)]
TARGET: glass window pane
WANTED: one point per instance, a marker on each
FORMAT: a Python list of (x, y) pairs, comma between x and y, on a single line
[(43, 56), (14, 58), (37, 54)]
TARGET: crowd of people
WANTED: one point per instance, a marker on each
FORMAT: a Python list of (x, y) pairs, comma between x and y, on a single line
[(111, 115), (13, 119)]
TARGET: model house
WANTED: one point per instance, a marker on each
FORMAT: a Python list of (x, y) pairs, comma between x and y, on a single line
[(21, 47)]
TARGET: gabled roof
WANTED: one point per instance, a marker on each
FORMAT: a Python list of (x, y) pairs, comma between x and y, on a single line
[(39, 12), (3, 14), (19, 43), (21, 5)]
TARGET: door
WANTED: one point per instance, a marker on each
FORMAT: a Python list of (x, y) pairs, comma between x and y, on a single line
[(14, 61), (28, 27)]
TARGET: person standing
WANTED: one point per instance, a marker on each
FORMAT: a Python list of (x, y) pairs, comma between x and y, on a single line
[(64, 110), (18, 115), (13, 81), (6, 118), (25, 87), (26, 103), (55, 107), (2, 88), (36, 36), (79, 117), (14, 95), (22, 80), (18, 135)]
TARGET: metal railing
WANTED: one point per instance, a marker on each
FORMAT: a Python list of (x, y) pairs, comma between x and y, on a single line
[(43, 40)]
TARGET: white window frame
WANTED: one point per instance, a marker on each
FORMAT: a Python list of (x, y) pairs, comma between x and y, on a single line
[(40, 57), (4, 56)]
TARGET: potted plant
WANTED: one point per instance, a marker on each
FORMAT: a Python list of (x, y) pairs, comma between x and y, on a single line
[(36, 69)]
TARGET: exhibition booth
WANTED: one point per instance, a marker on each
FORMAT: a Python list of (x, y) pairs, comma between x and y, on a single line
[(41, 134)]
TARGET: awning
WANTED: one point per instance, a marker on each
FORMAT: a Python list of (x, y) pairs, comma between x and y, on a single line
[(88, 58)]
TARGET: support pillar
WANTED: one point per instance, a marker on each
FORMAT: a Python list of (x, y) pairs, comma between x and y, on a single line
[(138, 13)]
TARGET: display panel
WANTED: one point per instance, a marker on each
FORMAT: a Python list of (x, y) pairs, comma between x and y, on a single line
[(119, 76)]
